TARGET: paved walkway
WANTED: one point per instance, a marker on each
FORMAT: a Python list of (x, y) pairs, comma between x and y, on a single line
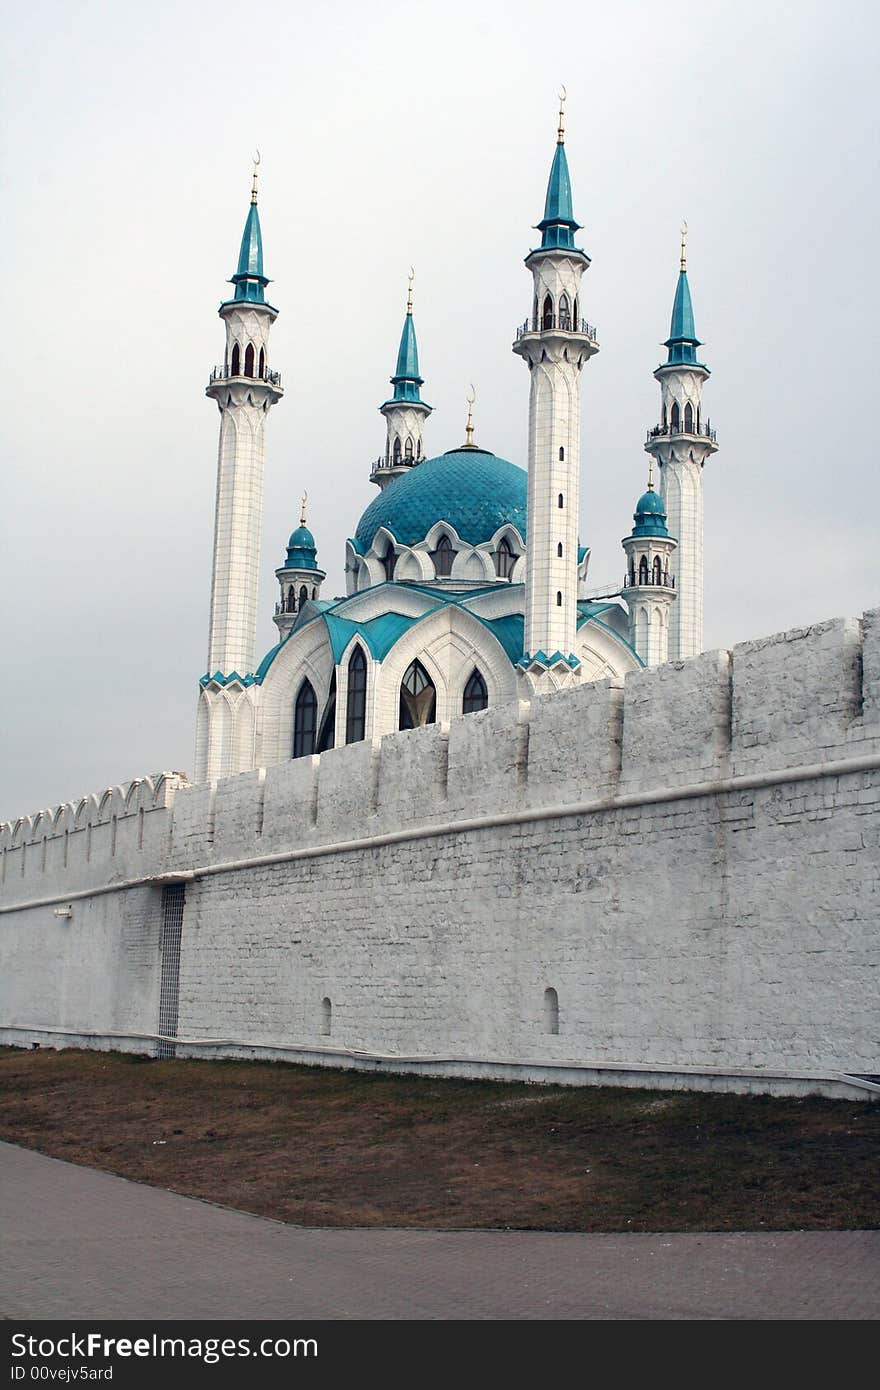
[(83, 1244)]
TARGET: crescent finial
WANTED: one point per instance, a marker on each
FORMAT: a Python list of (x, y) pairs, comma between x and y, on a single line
[(560, 134), (256, 163), (684, 232)]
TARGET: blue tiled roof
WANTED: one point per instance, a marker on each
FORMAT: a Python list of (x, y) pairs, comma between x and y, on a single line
[(475, 491)]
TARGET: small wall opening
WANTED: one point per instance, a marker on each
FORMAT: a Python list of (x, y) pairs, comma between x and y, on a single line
[(560, 501), (551, 1010), (326, 1018)]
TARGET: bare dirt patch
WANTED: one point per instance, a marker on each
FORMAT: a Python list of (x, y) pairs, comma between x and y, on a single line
[(337, 1148)]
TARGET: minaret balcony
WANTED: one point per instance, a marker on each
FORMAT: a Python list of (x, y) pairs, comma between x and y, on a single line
[(385, 464), (558, 323), (673, 431), (649, 581), (222, 373)]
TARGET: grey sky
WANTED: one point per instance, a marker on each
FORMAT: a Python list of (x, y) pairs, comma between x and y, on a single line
[(392, 134)]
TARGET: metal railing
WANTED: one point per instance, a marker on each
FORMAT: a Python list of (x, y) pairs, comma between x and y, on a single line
[(402, 462), (665, 431), (564, 323), (666, 581), (223, 373)]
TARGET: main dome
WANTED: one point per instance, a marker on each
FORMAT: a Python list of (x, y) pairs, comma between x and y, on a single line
[(472, 489)]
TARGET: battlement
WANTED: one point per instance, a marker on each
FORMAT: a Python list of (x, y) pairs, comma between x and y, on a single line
[(804, 697)]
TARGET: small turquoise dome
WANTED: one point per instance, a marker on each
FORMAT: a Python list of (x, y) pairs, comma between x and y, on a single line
[(301, 550), (650, 515), (472, 489)]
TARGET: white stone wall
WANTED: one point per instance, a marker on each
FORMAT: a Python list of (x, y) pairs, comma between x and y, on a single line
[(689, 857)]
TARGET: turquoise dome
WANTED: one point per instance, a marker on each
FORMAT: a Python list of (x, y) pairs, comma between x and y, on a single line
[(650, 515), (472, 489), (301, 550)]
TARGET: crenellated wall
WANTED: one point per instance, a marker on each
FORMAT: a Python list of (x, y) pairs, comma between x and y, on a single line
[(689, 858)]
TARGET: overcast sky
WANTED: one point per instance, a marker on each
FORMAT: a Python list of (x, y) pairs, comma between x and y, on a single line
[(392, 134)]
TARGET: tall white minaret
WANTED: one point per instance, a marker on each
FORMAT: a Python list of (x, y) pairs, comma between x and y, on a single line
[(405, 413), (681, 443), (555, 342), (244, 388), (649, 585)]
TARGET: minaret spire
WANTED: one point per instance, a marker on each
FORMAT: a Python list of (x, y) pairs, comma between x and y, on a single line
[(244, 388), (554, 342), (405, 413), (469, 427), (681, 445)]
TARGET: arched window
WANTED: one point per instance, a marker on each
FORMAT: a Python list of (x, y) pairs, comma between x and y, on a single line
[(698, 419), (443, 556), (632, 572), (356, 712), (408, 451), (643, 570), (327, 732), (560, 501), (236, 360), (418, 448), (303, 595), (305, 721), (291, 599), (551, 1011), (396, 451), (326, 1018), (476, 696), (314, 591), (675, 416), (418, 698), (249, 360), (558, 598), (504, 559), (262, 364), (576, 316), (559, 551), (663, 416), (564, 315), (561, 455), (389, 560), (535, 313), (547, 316), (688, 419), (657, 570)]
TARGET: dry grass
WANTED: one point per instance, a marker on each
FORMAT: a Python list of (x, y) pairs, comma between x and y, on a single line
[(337, 1148)]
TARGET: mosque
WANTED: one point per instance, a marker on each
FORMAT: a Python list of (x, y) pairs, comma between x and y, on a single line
[(466, 578)]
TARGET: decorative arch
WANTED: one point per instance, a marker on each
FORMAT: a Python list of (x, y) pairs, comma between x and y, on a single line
[(418, 698), (564, 312), (249, 360), (547, 312), (235, 366), (643, 570), (688, 419), (657, 570), (443, 557), (675, 416)]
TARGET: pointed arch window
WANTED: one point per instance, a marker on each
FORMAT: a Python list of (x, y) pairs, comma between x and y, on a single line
[(408, 450), (576, 316), (389, 560), (657, 571), (443, 557), (560, 501), (291, 599), (262, 364), (688, 419), (418, 449), (305, 721), (327, 733), (303, 595), (547, 313), (356, 710), (476, 696), (559, 551), (564, 314), (561, 454), (504, 559), (643, 570), (558, 598), (249, 360), (235, 369), (675, 417), (395, 454), (418, 698)]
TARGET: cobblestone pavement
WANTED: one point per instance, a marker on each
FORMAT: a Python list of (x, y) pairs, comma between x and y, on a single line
[(83, 1244)]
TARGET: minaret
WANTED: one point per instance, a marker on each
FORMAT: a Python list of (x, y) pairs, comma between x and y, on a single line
[(681, 443), (555, 342), (244, 389), (405, 413), (299, 576), (649, 585)]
